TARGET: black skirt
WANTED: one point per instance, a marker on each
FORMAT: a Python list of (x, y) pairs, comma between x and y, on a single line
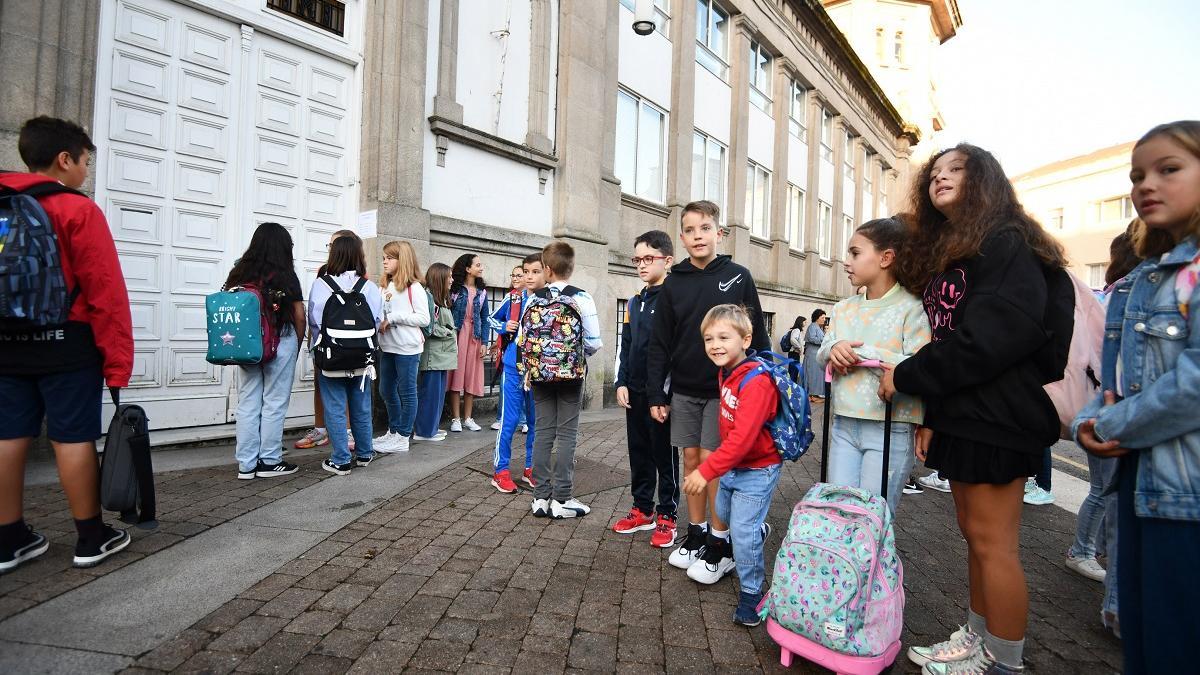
[(968, 461)]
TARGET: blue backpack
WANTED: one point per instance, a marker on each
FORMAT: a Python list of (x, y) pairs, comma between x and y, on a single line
[(33, 290), (791, 428)]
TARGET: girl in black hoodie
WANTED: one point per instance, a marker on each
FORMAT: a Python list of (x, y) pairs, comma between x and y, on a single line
[(984, 264)]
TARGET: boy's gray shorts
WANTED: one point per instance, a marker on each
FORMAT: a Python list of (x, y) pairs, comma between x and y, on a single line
[(694, 422)]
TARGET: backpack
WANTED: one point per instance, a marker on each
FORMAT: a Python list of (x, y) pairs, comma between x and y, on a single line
[(791, 427), (838, 580), (427, 329), (126, 471), (550, 341), (1079, 382), (241, 327), (33, 290), (347, 340)]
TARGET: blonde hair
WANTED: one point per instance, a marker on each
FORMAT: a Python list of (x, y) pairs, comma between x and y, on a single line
[(734, 315), (1151, 242), (408, 272)]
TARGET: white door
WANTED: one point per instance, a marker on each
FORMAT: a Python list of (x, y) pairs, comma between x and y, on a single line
[(201, 140)]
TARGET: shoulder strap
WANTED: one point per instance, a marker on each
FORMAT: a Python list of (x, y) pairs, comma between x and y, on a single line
[(362, 282), (569, 290), (332, 284), (755, 372), (49, 188)]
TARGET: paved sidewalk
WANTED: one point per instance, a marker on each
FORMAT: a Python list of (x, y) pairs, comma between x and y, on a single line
[(450, 575)]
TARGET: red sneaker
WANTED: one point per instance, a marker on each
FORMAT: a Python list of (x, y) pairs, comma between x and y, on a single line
[(528, 478), (664, 533), (503, 482), (636, 521)]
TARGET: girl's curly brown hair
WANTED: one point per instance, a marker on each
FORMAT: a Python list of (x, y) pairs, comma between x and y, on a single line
[(987, 201)]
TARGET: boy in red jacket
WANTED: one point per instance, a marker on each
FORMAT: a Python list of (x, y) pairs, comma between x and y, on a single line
[(746, 461), (58, 373)]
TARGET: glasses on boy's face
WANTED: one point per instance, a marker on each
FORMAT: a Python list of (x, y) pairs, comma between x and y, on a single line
[(646, 260)]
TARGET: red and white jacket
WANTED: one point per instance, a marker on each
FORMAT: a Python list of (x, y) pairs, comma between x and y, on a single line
[(745, 441), (89, 263)]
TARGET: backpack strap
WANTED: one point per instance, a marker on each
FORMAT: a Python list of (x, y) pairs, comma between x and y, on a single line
[(569, 290), (46, 189), (755, 372), (362, 282), (332, 284)]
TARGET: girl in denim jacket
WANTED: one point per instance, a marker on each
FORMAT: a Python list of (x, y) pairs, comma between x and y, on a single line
[(1149, 413)]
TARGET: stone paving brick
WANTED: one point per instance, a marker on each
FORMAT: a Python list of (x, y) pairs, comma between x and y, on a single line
[(248, 635), (342, 643), (314, 623), (344, 598), (279, 654), (315, 664), (384, 656), (473, 604), (593, 651), (325, 578), (290, 603), (372, 614), (172, 653), (496, 652), (211, 663), (270, 587)]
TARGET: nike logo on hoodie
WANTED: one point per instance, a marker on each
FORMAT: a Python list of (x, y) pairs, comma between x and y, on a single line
[(726, 285)]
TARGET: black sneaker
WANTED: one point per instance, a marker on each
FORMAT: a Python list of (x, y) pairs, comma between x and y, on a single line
[(912, 487), (339, 469), (691, 549), (363, 461), (271, 470), (33, 546), (746, 613), (89, 556)]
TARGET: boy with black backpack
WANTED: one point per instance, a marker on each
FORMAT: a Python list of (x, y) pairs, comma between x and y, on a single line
[(345, 309), (558, 331), (65, 332)]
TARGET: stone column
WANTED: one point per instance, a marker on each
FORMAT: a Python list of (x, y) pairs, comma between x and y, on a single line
[(683, 111), (739, 134), (781, 91), (445, 102), (541, 64), (812, 215)]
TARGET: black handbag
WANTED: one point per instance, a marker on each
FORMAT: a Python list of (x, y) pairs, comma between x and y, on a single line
[(126, 471)]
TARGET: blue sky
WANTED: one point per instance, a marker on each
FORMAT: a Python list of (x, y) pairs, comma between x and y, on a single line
[(1035, 81)]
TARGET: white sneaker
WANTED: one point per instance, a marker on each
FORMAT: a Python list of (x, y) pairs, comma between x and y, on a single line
[(716, 562), (470, 424), (572, 508), (1087, 567), (496, 425), (1038, 497), (455, 425), (540, 508), (934, 481), (441, 436), (524, 428), (961, 646), (979, 662), (386, 443), (690, 550), (401, 443)]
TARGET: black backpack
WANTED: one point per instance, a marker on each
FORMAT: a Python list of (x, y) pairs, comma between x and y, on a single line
[(347, 340), (126, 472), (33, 290)]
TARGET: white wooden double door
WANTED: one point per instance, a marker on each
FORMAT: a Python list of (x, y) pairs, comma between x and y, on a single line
[(205, 129)]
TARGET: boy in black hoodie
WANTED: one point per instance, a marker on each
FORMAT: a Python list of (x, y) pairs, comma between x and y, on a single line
[(652, 459), (681, 379)]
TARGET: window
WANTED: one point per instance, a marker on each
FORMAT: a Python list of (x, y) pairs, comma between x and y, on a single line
[(1056, 219), (662, 15), (1096, 275), (1115, 209), (795, 217), (708, 168), (796, 100), (328, 15), (758, 200), (848, 157), (825, 233), (898, 48), (496, 296), (881, 209), (879, 46), (868, 184), (639, 161), (847, 230), (760, 77), (712, 38), (826, 135), (621, 309), (769, 322)]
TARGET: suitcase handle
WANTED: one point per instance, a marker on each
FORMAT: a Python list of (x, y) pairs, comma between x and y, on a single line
[(887, 426)]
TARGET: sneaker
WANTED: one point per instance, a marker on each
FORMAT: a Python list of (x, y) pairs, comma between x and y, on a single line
[(470, 424), (524, 428), (746, 613), (439, 436), (636, 521), (401, 445), (980, 662), (314, 438), (364, 461), (503, 482), (691, 549), (338, 469), (664, 532), (1086, 567), (247, 475), (272, 470), (456, 425), (716, 562), (540, 508), (572, 508), (934, 481), (35, 545), (962, 645), (1038, 497), (527, 476), (90, 556), (386, 443), (496, 425), (912, 487)]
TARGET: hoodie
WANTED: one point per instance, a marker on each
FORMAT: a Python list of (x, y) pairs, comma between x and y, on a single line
[(746, 408), (675, 353), (635, 338), (99, 327)]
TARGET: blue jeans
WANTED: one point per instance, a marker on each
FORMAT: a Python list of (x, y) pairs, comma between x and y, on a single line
[(431, 397), (263, 396), (398, 389), (1111, 538), (343, 397), (515, 401), (743, 501), (1091, 511), (856, 456)]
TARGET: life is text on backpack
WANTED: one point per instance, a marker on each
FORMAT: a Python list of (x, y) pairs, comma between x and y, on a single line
[(791, 427), (550, 341)]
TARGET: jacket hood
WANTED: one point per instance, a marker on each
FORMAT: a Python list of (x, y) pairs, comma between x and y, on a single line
[(686, 267)]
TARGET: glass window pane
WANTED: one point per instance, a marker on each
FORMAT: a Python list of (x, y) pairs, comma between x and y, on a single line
[(765, 204), (719, 33), (702, 21), (715, 175), (697, 166), (763, 76), (750, 195), (625, 162), (650, 155)]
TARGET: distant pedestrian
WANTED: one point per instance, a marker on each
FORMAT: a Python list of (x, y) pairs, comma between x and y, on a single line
[(1146, 415), (439, 357), (814, 372), (468, 297), (792, 343)]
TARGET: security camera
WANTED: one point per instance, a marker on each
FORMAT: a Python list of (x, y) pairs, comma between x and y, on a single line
[(643, 17)]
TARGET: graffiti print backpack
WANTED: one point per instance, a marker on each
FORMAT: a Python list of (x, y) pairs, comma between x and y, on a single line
[(838, 580), (241, 329), (347, 341), (33, 290), (791, 427), (550, 341)]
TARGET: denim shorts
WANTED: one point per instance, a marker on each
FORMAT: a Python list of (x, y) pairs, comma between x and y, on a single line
[(69, 402)]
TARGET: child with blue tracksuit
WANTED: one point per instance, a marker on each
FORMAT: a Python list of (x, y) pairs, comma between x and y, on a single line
[(516, 403)]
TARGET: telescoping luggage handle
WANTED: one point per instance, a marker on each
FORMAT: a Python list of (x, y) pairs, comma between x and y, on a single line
[(887, 426)]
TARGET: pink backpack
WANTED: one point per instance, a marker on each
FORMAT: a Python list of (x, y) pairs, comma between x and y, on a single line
[(1081, 378)]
